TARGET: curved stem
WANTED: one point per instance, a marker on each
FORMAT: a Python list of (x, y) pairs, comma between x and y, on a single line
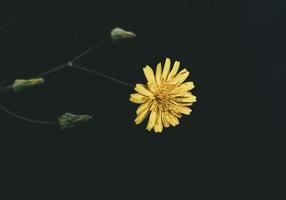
[(102, 75), (25, 118)]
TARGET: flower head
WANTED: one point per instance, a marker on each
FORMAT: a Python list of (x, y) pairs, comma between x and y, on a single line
[(165, 97)]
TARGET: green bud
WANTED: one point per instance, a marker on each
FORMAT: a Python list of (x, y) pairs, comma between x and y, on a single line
[(68, 121), (21, 84), (120, 34)]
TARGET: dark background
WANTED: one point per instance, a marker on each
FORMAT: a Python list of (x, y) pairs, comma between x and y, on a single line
[(231, 147)]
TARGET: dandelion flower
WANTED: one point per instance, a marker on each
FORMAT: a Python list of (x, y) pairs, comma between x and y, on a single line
[(165, 97)]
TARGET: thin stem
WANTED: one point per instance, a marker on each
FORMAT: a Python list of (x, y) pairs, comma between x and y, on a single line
[(25, 118), (52, 70), (102, 75), (74, 59), (91, 48)]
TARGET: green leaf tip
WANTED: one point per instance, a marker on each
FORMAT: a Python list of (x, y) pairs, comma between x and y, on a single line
[(21, 84), (121, 34), (68, 120)]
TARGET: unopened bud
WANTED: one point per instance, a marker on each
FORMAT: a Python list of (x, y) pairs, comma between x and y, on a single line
[(21, 84), (120, 34), (68, 121)]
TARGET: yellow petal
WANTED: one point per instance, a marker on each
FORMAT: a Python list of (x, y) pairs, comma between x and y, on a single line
[(143, 107), (140, 118), (176, 114), (174, 71), (159, 73), (187, 104), (152, 86), (182, 94), (142, 89), (138, 98), (158, 128), (165, 122), (166, 69), (181, 77), (187, 99), (187, 94), (185, 86), (172, 120), (152, 120), (183, 109), (153, 106), (149, 74)]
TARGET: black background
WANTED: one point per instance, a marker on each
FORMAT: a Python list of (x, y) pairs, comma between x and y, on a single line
[(231, 147)]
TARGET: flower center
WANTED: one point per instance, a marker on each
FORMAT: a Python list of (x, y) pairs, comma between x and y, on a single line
[(164, 95)]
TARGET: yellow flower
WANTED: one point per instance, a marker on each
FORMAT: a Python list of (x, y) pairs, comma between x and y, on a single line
[(165, 97)]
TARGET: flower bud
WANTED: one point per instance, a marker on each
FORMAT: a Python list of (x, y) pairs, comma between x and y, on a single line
[(21, 84), (68, 120), (120, 34)]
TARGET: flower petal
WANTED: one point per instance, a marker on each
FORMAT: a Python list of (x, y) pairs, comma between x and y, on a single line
[(142, 89), (181, 77), (152, 120), (187, 104), (140, 118), (182, 94), (176, 114), (152, 86), (174, 71), (187, 99), (143, 107), (164, 120), (185, 86), (166, 69), (149, 74), (172, 120), (138, 98), (183, 109), (159, 73), (158, 128)]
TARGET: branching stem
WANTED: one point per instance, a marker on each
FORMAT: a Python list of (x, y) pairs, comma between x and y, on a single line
[(73, 60), (70, 64)]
